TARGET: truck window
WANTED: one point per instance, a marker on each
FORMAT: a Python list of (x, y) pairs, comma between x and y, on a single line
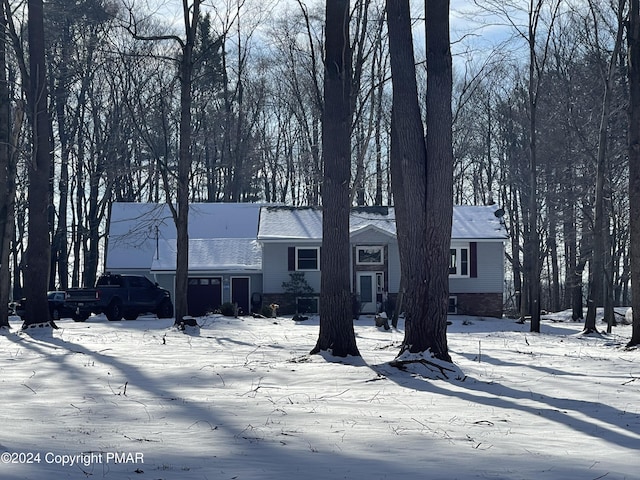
[(109, 280)]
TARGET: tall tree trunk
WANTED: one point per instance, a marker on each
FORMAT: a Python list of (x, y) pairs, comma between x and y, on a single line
[(408, 158), (37, 268), (537, 61), (336, 320), (92, 234), (532, 240), (552, 197), (59, 247), (377, 99), (633, 36), (439, 199), (600, 228), (573, 283), (422, 176), (181, 211), (6, 200)]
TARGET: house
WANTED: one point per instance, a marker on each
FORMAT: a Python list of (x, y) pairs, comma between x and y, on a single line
[(291, 240), (255, 255)]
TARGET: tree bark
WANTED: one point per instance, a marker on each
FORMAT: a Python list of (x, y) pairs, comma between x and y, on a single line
[(336, 320), (36, 276), (6, 201), (422, 176), (181, 213), (532, 240), (439, 172)]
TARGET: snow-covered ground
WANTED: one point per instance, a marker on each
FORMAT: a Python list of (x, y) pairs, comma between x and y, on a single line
[(241, 399)]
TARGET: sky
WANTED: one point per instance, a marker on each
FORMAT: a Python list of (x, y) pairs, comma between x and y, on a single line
[(240, 398)]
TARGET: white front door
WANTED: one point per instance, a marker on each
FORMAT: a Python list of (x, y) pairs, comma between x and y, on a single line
[(368, 286)]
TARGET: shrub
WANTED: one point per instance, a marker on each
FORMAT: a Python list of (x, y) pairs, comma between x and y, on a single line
[(267, 311), (297, 285), (228, 309)]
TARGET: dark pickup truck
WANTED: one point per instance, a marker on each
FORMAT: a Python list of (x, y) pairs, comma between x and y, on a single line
[(119, 296)]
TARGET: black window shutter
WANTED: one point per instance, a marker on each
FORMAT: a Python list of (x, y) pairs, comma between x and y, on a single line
[(291, 259), (473, 259)]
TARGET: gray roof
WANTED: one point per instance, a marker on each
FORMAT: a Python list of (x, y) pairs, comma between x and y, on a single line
[(305, 223)]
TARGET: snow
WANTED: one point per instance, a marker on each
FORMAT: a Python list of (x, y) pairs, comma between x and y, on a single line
[(136, 229), (142, 235), (280, 223), (206, 254), (240, 398), (474, 222), (288, 223)]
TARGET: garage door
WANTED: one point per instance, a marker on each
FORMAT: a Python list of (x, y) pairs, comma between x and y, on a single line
[(204, 295)]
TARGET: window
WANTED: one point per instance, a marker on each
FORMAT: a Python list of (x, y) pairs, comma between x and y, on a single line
[(459, 265), (204, 281), (370, 255), (307, 258), (307, 305), (140, 282), (453, 305)]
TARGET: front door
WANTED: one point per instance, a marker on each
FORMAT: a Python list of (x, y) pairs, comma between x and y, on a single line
[(240, 294), (369, 286)]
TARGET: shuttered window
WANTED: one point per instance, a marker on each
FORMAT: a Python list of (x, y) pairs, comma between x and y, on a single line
[(303, 258)]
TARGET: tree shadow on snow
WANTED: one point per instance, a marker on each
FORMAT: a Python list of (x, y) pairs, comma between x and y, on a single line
[(557, 409), (246, 454)]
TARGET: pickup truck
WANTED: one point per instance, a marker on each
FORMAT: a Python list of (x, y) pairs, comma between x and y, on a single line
[(119, 296)]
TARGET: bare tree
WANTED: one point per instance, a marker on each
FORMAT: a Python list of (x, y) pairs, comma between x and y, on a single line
[(600, 229), (74, 34), (37, 268), (180, 210), (541, 15), (6, 183), (336, 320), (537, 62)]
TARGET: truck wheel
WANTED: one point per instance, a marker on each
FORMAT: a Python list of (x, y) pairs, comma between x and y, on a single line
[(55, 314), (114, 311), (165, 309)]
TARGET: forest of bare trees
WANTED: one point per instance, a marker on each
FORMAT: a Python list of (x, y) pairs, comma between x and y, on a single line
[(540, 126)]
